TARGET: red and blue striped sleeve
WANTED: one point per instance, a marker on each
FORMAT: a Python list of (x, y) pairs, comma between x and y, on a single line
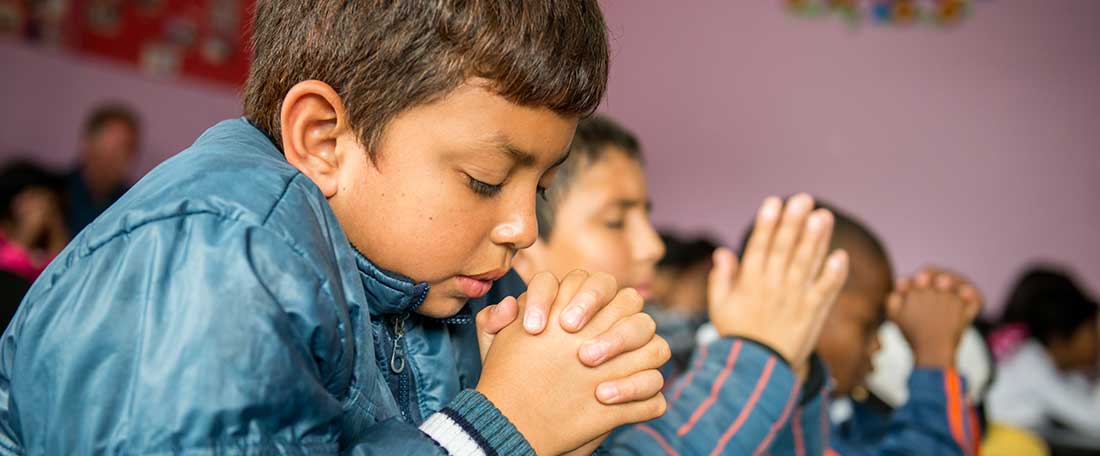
[(809, 429), (736, 398)]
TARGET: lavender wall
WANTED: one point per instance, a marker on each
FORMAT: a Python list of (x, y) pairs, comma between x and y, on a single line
[(977, 147), (47, 94)]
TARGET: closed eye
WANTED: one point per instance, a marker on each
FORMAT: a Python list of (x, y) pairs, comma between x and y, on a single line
[(482, 188)]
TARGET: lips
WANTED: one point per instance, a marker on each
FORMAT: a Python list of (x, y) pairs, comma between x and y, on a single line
[(476, 286), (473, 288)]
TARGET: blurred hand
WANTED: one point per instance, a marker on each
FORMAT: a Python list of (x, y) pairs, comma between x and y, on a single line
[(933, 310), (782, 292)]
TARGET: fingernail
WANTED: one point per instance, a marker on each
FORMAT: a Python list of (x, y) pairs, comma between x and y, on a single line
[(721, 258), (594, 351), (837, 261), (607, 392), (814, 222), (572, 315), (770, 209), (533, 321)]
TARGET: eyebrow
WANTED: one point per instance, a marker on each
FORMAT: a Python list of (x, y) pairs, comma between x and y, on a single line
[(520, 156), (631, 203)]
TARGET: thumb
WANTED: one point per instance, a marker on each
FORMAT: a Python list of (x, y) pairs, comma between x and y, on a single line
[(491, 320), (494, 318), (973, 301), (720, 281)]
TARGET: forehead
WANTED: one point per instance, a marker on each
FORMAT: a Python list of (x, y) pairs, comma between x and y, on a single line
[(473, 119), (115, 128), (861, 305), (614, 177)]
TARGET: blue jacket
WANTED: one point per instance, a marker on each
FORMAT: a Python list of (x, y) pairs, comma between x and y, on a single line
[(218, 308), (935, 420)]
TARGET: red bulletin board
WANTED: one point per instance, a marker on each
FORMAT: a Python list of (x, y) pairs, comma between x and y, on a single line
[(205, 39)]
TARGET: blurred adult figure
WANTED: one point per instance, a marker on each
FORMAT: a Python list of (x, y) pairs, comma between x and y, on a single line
[(108, 149)]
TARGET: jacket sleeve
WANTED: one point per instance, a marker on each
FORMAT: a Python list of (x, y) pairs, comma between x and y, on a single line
[(735, 399), (935, 420), (193, 335), (808, 430)]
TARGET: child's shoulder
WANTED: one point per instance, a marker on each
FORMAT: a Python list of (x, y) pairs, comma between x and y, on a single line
[(232, 173)]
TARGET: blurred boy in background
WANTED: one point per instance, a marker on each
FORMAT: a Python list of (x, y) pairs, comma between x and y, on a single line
[(679, 302)]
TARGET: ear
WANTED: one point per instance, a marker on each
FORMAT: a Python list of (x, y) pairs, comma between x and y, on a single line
[(312, 119), (532, 260)]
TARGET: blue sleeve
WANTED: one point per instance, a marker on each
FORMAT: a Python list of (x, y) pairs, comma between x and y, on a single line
[(189, 335), (935, 420), (735, 399), (808, 431)]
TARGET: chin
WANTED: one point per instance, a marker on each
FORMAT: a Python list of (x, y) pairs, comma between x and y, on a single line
[(441, 306)]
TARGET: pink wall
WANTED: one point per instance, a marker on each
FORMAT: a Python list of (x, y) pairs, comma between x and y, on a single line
[(46, 96), (976, 147)]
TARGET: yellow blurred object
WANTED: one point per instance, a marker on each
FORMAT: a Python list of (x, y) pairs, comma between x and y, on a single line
[(1004, 440)]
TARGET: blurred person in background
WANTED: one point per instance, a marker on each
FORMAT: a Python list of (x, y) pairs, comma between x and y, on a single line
[(932, 310), (679, 302), (1048, 349), (886, 388), (108, 149), (32, 229)]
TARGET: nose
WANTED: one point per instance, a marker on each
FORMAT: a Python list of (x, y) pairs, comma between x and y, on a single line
[(518, 227), (650, 247)]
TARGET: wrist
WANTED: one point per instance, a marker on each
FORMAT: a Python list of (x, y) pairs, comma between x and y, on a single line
[(471, 422), (940, 358), (525, 423)]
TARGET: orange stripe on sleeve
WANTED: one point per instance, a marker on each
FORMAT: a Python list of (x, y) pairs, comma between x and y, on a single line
[(955, 411)]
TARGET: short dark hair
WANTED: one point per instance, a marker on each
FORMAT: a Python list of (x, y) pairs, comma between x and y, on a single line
[(1049, 302), (111, 112), (20, 175), (683, 253), (848, 231), (591, 142), (385, 56)]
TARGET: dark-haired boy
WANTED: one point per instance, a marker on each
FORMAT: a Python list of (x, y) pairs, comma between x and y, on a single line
[(297, 281)]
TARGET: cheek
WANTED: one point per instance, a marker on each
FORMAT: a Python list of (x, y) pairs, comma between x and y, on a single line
[(843, 352), (598, 252), (426, 232)]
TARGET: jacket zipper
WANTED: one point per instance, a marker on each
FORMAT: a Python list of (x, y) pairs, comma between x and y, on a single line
[(399, 363)]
